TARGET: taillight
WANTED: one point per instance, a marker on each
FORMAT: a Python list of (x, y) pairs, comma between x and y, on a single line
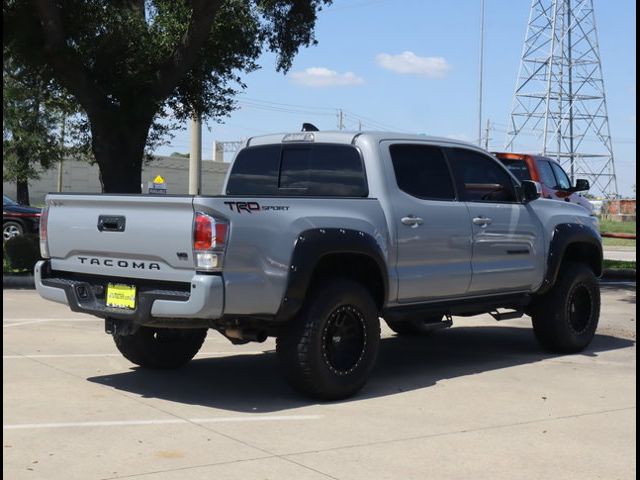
[(209, 238), (203, 232), (44, 246)]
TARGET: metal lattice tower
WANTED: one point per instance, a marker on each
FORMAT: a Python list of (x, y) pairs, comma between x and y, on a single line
[(559, 98)]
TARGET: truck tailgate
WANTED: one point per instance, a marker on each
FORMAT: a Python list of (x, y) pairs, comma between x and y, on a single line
[(137, 236)]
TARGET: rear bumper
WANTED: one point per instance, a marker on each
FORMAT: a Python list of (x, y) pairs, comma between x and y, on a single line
[(203, 298)]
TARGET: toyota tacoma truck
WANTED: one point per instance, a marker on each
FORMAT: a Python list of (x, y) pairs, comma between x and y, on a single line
[(316, 238)]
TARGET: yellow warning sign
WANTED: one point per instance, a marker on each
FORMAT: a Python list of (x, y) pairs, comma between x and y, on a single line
[(158, 179)]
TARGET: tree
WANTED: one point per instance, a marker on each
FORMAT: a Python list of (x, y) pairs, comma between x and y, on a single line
[(30, 127), (130, 63)]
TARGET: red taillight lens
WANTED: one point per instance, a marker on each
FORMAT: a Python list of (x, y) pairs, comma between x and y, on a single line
[(203, 233), (221, 234)]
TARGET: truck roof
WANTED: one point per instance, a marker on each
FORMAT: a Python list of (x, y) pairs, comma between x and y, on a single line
[(348, 137)]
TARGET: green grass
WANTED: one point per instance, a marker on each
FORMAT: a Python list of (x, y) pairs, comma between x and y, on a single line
[(618, 264), (617, 227)]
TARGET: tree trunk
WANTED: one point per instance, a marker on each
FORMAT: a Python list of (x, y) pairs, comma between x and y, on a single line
[(119, 150), (22, 192)]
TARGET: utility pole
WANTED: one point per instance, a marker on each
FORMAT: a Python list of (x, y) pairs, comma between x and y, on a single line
[(195, 158), (481, 72), (340, 120), (61, 158), (486, 135)]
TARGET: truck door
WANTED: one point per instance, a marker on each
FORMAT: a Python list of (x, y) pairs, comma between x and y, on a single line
[(433, 232), (508, 251)]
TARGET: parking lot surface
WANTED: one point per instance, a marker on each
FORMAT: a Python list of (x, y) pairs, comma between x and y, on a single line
[(479, 400)]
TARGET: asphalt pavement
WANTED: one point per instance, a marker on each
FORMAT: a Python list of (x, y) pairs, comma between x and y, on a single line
[(477, 401)]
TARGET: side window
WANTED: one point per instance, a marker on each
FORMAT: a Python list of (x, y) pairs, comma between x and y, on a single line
[(546, 174), (422, 172), (519, 168), (481, 178), (563, 180)]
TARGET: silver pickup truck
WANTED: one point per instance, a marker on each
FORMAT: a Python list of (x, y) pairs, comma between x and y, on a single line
[(316, 237)]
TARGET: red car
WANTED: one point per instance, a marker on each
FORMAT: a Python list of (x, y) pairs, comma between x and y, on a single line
[(554, 180), (18, 219)]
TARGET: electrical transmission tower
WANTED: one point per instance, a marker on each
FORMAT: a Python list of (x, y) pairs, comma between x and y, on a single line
[(559, 97)]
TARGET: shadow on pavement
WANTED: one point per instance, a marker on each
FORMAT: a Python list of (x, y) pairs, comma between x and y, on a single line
[(621, 288), (253, 384)]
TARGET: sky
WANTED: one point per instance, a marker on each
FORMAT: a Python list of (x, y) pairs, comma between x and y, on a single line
[(412, 65)]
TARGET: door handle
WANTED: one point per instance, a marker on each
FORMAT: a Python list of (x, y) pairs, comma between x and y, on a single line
[(412, 221), (482, 221)]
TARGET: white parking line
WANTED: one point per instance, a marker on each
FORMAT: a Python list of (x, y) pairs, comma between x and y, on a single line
[(16, 322), (171, 421), (90, 355)]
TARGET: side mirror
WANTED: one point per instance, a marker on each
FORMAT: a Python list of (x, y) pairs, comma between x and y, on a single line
[(582, 185), (531, 191)]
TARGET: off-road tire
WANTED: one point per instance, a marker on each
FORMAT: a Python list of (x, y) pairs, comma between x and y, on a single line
[(328, 351), (414, 327), (565, 319), (161, 348)]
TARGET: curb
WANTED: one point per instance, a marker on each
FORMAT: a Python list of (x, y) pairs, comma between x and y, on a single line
[(619, 274), (18, 281)]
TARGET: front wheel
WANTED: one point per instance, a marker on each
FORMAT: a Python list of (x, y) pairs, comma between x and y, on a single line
[(565, 319), (161, 348), (329, 350)]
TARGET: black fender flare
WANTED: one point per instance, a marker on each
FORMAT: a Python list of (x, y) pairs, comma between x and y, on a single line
[(564, 235), (309, 249)]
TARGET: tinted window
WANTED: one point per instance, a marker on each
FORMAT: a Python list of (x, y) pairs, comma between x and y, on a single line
[(519, 168), (563, 180), (255, 171), (328, 170), (421, 171), (481, 178), (309, 169), (546, 174)]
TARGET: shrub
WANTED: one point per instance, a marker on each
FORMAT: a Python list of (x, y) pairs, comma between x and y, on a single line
[(22, 252)]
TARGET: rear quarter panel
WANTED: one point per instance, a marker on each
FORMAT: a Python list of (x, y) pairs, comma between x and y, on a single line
[(262, 239)]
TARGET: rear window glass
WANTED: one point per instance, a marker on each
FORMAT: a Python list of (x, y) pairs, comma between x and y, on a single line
[(255, 171), (519, 168), (299, 170)]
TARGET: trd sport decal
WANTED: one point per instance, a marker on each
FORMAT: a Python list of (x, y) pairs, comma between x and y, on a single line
[(251, 207)]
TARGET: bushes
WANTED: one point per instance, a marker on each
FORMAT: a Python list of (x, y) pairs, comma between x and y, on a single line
[(22, 252)]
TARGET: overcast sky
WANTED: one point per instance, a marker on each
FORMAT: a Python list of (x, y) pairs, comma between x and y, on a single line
[(412, 65)]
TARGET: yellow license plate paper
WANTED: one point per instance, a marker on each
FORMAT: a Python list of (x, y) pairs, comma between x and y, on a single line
[(121, 296)]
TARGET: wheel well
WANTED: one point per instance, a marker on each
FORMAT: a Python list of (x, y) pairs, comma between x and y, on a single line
[(360, 268), (586, 253)]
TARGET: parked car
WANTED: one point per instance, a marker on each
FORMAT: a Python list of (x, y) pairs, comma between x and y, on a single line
[(316, 237), (18, 219), (548, 172)]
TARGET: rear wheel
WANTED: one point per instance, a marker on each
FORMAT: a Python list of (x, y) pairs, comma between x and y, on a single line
[(565, 319), (329, 350), (161, 348), (416, 327)]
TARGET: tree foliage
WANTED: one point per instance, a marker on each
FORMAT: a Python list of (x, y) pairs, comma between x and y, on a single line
[(131, 63), (31, 116)]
